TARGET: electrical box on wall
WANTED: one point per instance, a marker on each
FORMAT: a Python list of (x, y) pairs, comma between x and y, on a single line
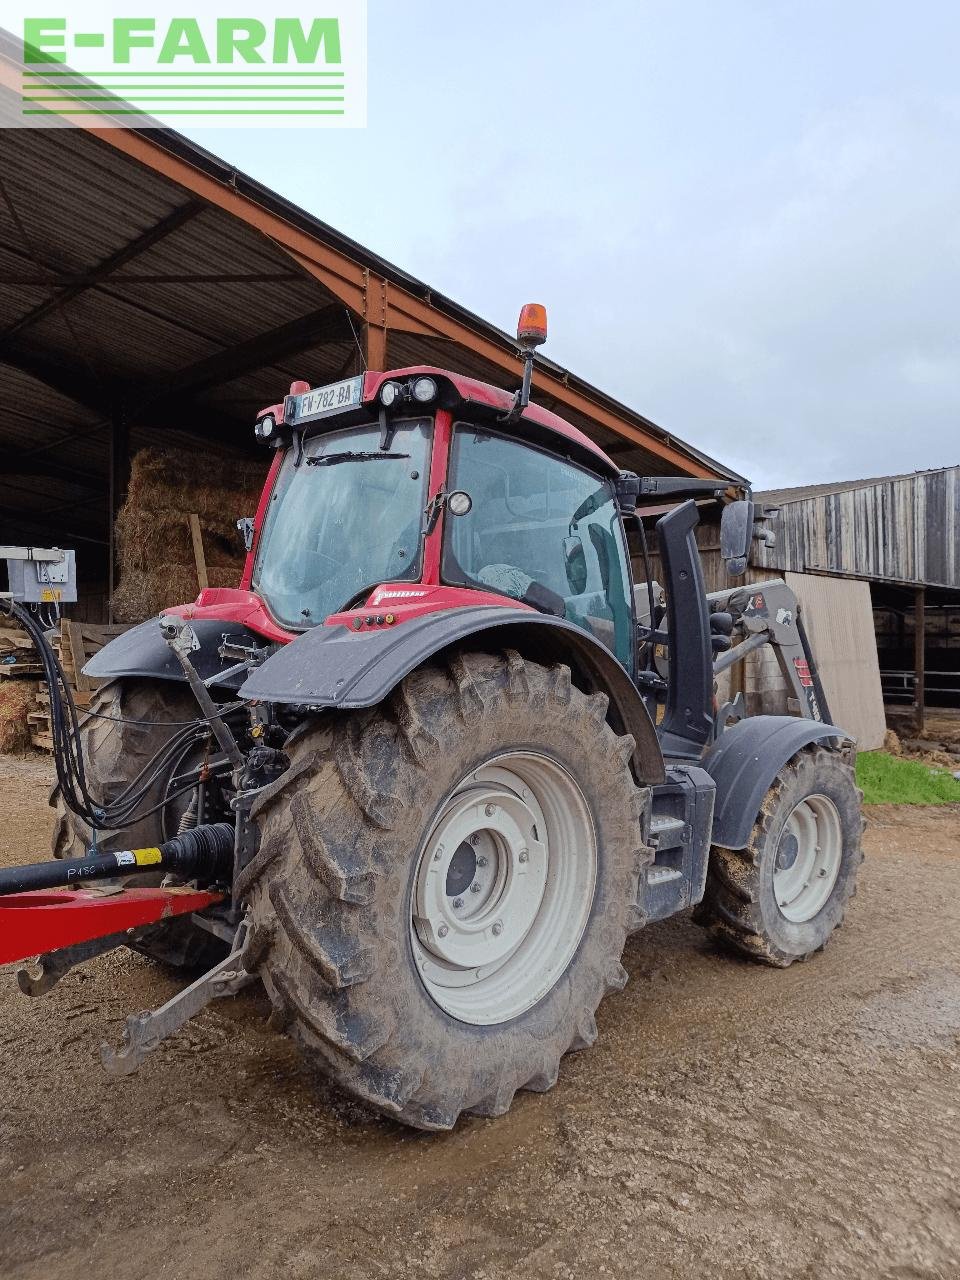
[(41, 575)]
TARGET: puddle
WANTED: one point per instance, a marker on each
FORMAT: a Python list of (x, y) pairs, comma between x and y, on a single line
[(925, 1016)]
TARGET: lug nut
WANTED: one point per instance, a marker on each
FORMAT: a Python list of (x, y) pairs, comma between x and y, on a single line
[(497, 928), (457, 904), (475, 839), (481, 861), (490, 810), (524, 855), (474, 888), (442, 931)]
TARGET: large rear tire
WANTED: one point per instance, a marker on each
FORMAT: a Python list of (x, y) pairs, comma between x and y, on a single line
[(128, 725), (781, 898), (447, 883)]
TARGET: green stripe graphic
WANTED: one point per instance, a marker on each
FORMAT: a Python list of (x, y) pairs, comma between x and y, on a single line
[(174, 111), (186, 97), (49, 75)]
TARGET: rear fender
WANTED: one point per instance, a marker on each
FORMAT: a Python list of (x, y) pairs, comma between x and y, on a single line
[(336, 667), (143, 652), (744, 761)]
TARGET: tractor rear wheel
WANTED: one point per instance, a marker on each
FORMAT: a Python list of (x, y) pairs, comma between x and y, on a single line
[(127, 723), (780, 898), (447, 882)]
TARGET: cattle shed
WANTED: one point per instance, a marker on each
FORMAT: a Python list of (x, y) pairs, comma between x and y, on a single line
[(887, 545), (151, 294)]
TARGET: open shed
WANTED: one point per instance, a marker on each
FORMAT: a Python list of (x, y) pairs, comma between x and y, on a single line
[(894, 541), (150, 293)]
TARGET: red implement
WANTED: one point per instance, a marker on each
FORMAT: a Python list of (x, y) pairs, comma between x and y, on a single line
[(44, 920)]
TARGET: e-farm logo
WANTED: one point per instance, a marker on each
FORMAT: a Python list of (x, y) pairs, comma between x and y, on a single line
[(234, 66)]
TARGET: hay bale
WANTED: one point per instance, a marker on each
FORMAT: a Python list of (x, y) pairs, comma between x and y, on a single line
[(154, 547), (143, 595), (17, 700)]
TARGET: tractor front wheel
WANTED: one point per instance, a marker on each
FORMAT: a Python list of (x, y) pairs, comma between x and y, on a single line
[(780, 898), (447, 882)]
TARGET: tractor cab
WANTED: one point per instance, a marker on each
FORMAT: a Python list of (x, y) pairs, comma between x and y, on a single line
[(422, 480)]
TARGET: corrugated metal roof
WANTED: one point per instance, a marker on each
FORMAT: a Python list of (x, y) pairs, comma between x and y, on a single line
[(798, 493)]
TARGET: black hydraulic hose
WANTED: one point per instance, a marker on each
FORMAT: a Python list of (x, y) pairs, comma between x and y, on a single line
[(202, 853), (123, 810)]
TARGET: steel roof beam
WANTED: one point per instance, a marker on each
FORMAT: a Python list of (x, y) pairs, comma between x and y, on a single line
[(329, 324), (165, 227), (20, 465)]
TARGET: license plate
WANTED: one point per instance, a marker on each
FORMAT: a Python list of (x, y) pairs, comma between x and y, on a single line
[(324, 401)]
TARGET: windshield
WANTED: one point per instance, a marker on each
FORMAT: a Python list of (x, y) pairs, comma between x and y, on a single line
[(538, 518), (348, 518)]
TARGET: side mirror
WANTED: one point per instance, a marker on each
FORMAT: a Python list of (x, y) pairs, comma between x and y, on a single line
[(575, 563), (736, 534), (245, 525)]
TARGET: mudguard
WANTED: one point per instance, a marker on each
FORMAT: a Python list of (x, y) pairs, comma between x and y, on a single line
[(142, 651), (340, 668), (744, 761)]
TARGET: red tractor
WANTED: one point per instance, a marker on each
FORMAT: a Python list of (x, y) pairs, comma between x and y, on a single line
[(439, 755)]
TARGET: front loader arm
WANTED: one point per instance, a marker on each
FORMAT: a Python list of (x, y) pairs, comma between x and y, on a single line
[(769, 613)]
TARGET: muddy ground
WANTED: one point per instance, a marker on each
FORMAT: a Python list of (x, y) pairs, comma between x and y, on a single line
[(732, 1121)]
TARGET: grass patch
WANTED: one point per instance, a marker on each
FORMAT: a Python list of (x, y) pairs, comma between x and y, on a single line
[(885, 779)]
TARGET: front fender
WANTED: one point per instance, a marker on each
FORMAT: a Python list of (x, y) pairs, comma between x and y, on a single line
[(343, 669), (744, 761)]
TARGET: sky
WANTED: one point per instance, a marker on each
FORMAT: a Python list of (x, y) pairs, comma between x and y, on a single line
[(743, 217)]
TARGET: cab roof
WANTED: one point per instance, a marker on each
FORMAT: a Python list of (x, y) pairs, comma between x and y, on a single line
[(544, 427)]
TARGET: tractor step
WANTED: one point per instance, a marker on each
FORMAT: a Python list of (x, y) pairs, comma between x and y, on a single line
[(660, 875), (680, 835), (666, 831)]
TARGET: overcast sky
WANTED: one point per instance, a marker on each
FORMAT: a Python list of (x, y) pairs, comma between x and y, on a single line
[(744, 217)]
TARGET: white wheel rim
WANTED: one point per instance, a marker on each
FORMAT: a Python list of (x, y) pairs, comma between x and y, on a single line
[(503, 888), (808, 858)]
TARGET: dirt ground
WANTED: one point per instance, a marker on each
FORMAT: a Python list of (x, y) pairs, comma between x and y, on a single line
[(731, 1121)]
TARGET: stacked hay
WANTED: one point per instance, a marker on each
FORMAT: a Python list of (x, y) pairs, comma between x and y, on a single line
[(157, 567), (17, 698)]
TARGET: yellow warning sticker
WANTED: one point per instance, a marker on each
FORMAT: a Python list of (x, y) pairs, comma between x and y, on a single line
[(50, 595), (145, 857)]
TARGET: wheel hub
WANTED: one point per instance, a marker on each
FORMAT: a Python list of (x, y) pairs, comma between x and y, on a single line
[(503, 888), (487, 910), (808, 860)]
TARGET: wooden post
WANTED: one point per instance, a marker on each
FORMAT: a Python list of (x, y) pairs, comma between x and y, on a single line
[(919, 656), (119, 478), (197, 535)]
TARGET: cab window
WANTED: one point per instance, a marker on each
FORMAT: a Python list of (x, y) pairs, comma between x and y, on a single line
[(536, 518)]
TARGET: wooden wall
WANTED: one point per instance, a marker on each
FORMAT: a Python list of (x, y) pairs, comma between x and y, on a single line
[(901, 530)]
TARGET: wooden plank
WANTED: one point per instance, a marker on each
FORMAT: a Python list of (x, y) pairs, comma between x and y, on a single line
[(838, 615), (197, 536), (78, 654)]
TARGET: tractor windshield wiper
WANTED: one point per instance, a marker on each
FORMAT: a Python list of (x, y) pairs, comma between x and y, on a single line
[(359, 455)]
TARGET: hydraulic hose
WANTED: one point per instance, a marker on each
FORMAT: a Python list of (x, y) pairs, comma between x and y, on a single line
[(127, 808)]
